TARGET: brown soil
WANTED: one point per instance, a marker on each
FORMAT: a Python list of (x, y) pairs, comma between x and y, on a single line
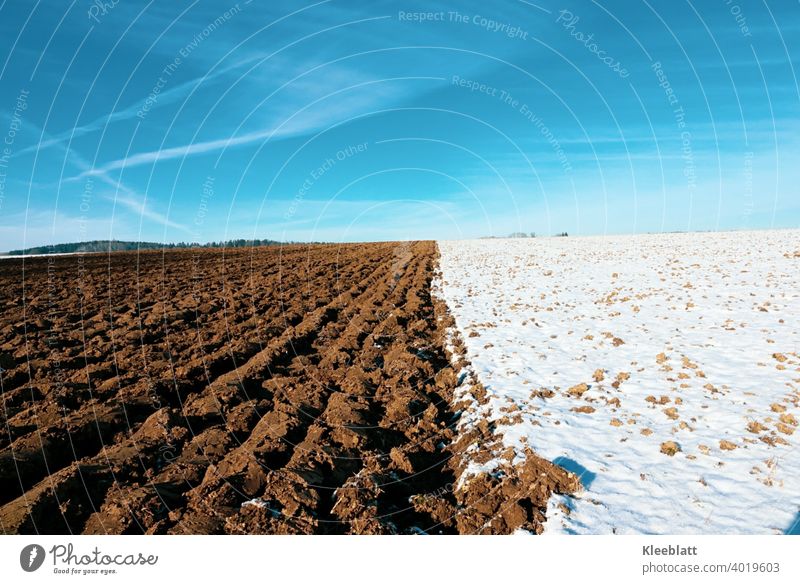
[(302, 389)]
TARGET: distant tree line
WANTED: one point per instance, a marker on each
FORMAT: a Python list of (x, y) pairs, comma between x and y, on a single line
[(104, 245)]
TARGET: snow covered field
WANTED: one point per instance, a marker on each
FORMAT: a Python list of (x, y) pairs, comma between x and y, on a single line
[(663, 369)]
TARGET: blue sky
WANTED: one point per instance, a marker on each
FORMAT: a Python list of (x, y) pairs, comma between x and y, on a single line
[(346, 121)]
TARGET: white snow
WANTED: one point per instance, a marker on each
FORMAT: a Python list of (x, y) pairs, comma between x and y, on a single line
[(708, 324), (36, 255)]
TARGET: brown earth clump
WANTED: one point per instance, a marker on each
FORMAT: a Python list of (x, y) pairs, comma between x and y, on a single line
[(670, 448), (578, 390), (513, 497)]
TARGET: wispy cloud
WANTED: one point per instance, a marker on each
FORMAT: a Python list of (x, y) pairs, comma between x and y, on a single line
[(139, 206), (172, 95), (126, 196), (289, 119)]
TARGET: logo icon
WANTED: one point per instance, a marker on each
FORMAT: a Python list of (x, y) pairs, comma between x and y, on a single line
[(31, 557)]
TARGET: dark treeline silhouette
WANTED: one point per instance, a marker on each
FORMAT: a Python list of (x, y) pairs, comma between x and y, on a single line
[(114, 245)]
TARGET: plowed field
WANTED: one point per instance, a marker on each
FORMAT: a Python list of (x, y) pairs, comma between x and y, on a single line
[(270, 390)]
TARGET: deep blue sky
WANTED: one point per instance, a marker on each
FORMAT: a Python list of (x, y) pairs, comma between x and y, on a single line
[(212, 120)]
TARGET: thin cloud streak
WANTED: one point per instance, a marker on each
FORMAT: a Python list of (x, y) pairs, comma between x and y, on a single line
[(330, 116), (171, 95), (129, 198)]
